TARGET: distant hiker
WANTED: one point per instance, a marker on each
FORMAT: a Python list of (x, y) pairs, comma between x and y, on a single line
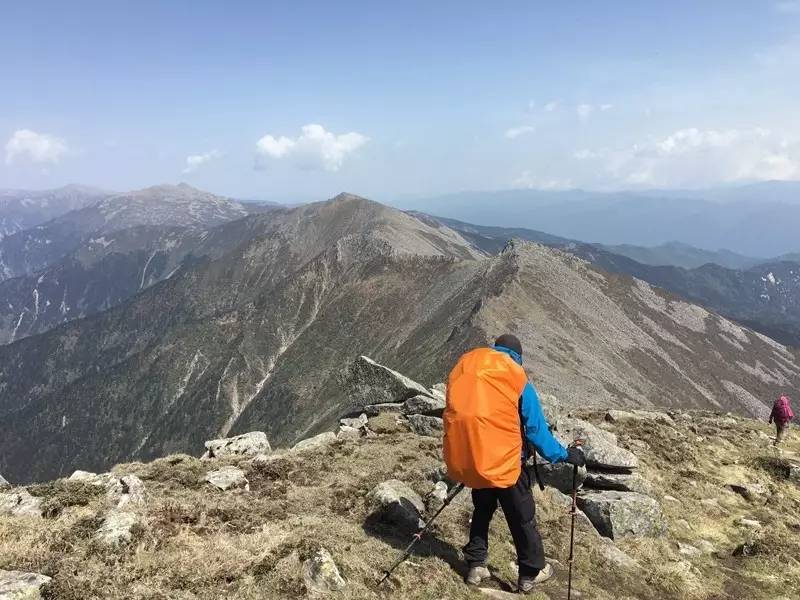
[(491, 409), (782, 414)]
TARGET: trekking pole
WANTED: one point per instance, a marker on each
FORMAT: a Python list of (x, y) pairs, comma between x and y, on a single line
[(573, 511), (418, 536)]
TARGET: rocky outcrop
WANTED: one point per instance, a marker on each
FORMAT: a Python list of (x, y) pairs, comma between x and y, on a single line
[(133, 492), (424, 405), (621, 482), (559, 475), (312, 443), (18, 585), (425, 425), (369, 383), (228, 478), (117, 528), (623, 514), (618, 416), (373, 410), (397, 503), (20, 503), (599, 446), (246, 444), (321, 574)]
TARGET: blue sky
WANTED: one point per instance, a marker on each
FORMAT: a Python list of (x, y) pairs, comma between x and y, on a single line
[(300, 100)]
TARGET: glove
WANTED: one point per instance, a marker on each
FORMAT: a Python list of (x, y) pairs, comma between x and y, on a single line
[(575, 456)]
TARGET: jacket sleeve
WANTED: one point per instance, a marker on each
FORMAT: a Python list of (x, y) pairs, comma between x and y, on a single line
[(536, 429)]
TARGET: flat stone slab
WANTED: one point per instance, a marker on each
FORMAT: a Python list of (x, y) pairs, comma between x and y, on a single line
[(19, 585), (228, 478), (117, 528), (559, 475), (321, 574), (424, 405), (373, 410), (621, 482), (619, 515)]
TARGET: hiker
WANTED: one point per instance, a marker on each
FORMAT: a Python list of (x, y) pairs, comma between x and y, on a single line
[(782, 414), (491, 410)]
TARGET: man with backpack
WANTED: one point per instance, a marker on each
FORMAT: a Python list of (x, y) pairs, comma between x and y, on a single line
[(492, 413), (782, 414)]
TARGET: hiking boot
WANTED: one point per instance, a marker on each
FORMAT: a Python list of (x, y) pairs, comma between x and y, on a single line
[(477, 574), (526, 584)]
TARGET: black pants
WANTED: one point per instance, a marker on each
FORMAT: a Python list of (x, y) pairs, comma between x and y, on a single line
[(520, 511)]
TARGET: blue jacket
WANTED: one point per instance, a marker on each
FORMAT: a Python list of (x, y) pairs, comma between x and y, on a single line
[(536, 428)]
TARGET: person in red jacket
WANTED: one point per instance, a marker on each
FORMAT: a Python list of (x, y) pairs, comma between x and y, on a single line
[(782, 415)]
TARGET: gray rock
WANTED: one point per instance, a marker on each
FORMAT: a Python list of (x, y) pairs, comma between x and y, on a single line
[(582, 522), (621, 482), (117, 528), (18, 585), (132, 491), (706, 547), (599, 446), (397, 503), (247, 444), (748, 523), (436, 497), (440, 388), (368, 382), (793, 472), (356, 422), (749, 491), (373, 410), (623, 514), (112, 484), (323, 439), (321, 574), (20, 503), (559, 475), (689, 550), (4, 485), (424, 405), (617, 416), (348, 433), (228, 478), (425, 425), (615, 557)]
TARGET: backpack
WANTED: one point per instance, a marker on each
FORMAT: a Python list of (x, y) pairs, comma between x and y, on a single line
[(482, 429), (783, 410)]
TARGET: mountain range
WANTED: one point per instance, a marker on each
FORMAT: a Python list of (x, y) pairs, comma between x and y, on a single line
[(754, 220), (246, 324)]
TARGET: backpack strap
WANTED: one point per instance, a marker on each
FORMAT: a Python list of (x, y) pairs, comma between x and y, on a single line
[(528, 450)]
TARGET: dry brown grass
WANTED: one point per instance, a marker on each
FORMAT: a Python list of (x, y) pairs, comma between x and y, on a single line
[(201, 543)]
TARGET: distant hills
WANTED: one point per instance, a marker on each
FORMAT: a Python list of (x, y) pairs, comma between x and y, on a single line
[(755, 220)]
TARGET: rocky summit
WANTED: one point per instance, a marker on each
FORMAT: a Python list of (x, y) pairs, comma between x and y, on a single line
[(714, 514), (258, 324)]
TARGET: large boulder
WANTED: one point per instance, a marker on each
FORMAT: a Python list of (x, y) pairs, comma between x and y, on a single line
[(112, 484), (599, 446), (354, 422), (368, 382), (117, 528), (559, 475), (318, 441), (20, 503), (132, 491), (4, 485), (18, 585), (623, 514), (424, 405), (397, 503), (246, 444), (425, 425), (228, 478), (321, 574), (373, 410)]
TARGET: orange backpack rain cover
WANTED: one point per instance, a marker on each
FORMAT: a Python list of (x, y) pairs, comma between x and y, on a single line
[(482, 431)]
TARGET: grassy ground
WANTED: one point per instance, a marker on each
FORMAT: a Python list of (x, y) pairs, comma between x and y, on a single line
[(196, 542)]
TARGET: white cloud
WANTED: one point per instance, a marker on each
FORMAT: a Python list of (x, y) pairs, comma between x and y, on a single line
[(314, 148), (605, 107), (695, 157), (788, 6), (530, 180), (550, 106), (37, 148), (584, 111), (195, 161), (516, 132)]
